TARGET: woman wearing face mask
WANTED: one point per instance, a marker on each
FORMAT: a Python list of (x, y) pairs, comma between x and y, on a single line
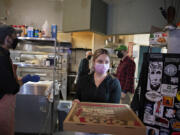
[(99, 86)]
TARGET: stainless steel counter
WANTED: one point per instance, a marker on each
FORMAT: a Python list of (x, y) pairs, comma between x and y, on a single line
[(41, 88), (30, 89), (33, 109)]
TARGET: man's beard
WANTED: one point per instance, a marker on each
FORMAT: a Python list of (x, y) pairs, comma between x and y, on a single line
[(155, 87)]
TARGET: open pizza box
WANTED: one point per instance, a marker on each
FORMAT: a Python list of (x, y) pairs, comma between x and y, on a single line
[(104, 119)]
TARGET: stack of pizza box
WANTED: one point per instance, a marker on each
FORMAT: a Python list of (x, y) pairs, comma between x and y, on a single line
[(103, 118)]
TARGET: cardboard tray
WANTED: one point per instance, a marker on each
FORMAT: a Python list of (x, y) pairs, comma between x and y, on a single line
[(103, 118)]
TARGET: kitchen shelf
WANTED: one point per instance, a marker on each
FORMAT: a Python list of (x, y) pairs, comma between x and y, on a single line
[(38, 67), (36, 39)]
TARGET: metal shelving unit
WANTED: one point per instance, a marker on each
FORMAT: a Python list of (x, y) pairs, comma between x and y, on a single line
[(51, 111)]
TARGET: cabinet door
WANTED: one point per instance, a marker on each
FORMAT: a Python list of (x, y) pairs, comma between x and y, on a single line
[(99, 16), (76, 15), (134, 16)]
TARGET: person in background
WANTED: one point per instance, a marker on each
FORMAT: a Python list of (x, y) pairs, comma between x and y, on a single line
[(99, 86), (84, 65), (125, 74), (9, 83)]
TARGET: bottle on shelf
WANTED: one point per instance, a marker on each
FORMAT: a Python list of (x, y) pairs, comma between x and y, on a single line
[(36, 33), (30, 32), (54, 30), (23, 30), (40, 34)]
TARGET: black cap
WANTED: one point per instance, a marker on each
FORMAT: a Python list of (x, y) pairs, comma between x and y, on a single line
[(5, 30)]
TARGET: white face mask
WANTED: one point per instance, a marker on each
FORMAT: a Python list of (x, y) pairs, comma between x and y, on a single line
[(101, 68)]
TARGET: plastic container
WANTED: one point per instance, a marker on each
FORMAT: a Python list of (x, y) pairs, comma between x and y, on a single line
[(45, 30), (30, 32), (36, 33), (23, 31), (54, 30), (63, 109)]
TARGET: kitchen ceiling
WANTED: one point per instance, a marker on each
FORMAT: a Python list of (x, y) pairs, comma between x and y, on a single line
[(110, 1), (116, 1)]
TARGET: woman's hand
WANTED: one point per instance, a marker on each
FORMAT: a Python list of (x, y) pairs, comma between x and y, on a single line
[(76, 101)]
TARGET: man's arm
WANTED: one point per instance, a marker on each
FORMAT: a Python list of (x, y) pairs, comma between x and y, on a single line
[(85, 66), (78, 90), (18, 80)]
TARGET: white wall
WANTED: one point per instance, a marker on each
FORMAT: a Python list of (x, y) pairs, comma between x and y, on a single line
[(141, 39), (134, 16), (98, 41), (32, 12)]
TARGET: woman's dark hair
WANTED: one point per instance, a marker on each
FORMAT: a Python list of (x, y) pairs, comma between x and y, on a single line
[(5, 30), (99, 52)]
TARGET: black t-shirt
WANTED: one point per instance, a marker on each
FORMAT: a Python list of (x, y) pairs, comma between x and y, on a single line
[(109, 91), (8, 83)]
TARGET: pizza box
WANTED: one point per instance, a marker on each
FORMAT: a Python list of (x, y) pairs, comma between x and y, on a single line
[(104, 119)]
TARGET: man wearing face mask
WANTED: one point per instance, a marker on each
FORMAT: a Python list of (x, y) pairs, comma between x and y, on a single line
[(9, 84), (125, 74), (84, 65)]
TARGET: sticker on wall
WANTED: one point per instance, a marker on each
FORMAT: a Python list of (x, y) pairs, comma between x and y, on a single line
[(149, 109), (175, 125), (177, 105), (149, 119), (158, 109), (154, 76), (168, 101), (170, 70), (172, 60), (170, 113), (164, 131), (174, 80), (162, 122), (169, 90), (153, 96), (178, 114), (175, 133), (178, 95), (151, 131)]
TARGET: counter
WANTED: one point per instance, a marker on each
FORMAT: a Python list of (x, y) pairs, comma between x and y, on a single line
[(41, 88), (33, 110)]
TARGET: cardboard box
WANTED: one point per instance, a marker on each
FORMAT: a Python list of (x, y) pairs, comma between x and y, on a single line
[(103, 118)]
